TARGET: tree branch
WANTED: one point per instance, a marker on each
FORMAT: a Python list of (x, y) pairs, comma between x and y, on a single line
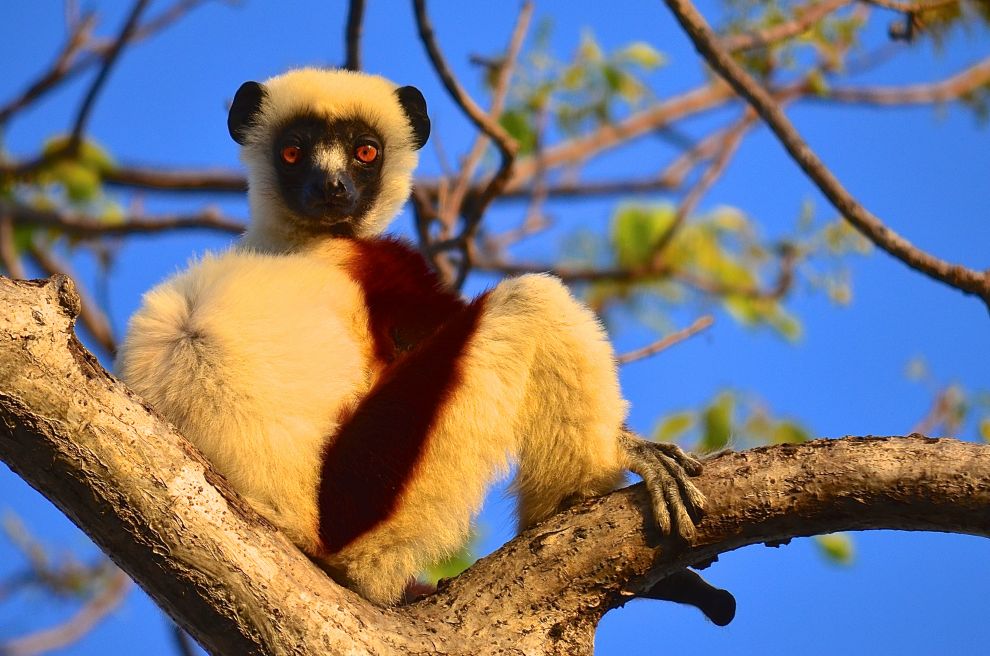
[(87, 227), (808, 16), (58, 637), (148, 498), (962, 278), (701, 323), (352, 35), (86, 108)]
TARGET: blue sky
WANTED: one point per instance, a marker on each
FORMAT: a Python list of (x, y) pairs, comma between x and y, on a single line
[(926, 171)]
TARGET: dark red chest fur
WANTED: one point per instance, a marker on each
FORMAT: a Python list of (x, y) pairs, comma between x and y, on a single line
[(420, 333)]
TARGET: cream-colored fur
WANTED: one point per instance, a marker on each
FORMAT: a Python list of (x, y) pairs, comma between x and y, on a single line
[(254, 352)]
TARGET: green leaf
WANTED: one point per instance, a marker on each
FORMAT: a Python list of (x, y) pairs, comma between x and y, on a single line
[(517, 124), (788, 432), (673, 426), (636, 231), (837, 548), (985, 430), (643, 55), (717, 422)]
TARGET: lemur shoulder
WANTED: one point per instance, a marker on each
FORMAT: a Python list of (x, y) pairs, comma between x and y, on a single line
[(358, 405)]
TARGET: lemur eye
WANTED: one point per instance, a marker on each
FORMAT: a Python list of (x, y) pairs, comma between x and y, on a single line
[(291, 154), (367, 153)]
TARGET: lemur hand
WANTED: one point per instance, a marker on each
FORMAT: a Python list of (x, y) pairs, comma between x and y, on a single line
[(665, 469)]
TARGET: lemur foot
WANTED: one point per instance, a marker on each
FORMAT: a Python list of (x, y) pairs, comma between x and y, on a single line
[(665, 469)]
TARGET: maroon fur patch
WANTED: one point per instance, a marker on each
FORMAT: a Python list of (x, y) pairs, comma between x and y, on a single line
[(371, 459), (406, 301)]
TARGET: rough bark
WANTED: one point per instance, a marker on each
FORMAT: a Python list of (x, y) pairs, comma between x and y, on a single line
[(128, 479)]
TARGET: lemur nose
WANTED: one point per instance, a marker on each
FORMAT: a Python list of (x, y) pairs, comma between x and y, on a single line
[(335, 187)]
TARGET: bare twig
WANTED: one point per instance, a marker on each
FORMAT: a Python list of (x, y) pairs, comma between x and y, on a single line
[(86, 108), (352, 35), (93, 318), (691, 103), (808, 16), (88, 227), (94, 610), (912, 7), (499, 96), (730, 143), (701, 323), (58, 70), (506, 144), (158, 179), (962, 278), (65, 69), (947, 90)]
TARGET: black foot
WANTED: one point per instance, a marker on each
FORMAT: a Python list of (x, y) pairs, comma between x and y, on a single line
[(687, 587)]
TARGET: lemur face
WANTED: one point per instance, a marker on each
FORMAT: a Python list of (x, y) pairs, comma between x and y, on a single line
[(329, 172), (328, 152)]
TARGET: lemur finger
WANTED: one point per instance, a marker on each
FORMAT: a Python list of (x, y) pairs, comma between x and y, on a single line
[(689, 463), (691, 496), (656, 486), (683, 523)]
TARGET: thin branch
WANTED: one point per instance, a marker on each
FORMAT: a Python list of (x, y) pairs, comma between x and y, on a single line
[(499, 95), (58, 70), (68, 633), (701, 323), (808, 16), (691, 103), (86, 108), (962, 278), (912, 7), (62, 70), (352, 35), (506, 144), (728, 147), (947, 90), (87, 227), (157, 179), (95, 320)]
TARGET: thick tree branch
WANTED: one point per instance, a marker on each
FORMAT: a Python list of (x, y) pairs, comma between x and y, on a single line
[(152, 502), (962, 278)]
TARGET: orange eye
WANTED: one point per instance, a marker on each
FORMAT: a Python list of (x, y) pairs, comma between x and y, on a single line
[(366, 153), (291, 154)]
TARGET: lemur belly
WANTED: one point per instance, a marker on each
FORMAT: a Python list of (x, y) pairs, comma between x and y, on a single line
[(275, 349)]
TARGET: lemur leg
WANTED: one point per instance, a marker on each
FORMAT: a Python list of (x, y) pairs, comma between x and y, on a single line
[(575, 443)]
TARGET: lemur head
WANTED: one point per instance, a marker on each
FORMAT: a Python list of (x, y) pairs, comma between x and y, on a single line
[(328, 153)]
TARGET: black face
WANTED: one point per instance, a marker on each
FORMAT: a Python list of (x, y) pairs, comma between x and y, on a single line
[(329, 174)]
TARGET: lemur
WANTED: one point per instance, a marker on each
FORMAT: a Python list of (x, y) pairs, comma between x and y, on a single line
[(352, 400)]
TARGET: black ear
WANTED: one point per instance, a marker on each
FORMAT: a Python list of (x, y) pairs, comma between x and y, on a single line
[(414, 105), (247, 103)]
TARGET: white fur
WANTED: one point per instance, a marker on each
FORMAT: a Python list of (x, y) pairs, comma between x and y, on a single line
[(253, 355)]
